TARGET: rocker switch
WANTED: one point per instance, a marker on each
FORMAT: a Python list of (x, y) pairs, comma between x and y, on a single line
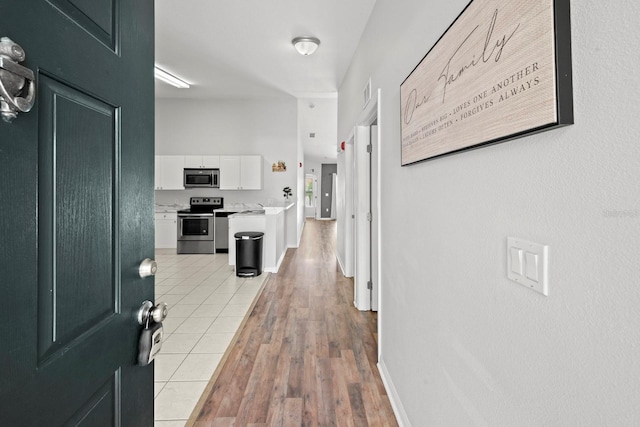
[(531, 263), (516, 260)]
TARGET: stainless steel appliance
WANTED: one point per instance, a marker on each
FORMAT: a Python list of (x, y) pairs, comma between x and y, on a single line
[(221, 225), (207, 178), (196, 226)]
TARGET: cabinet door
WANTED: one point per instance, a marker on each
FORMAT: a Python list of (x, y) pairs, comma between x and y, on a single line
[(229, 172), (251, 172), (211, 162), (193, 162), (171, 172), (166, 230), (157, 175)]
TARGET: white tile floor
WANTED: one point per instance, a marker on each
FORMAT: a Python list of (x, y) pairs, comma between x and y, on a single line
[(207, 303)]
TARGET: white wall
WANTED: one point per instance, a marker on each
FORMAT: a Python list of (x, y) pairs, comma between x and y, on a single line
[(462, 345), (266, 127)]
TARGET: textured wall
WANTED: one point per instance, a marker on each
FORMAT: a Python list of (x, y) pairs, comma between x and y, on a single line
[(462, 345)]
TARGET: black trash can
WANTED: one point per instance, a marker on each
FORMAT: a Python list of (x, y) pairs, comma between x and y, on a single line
[(248, 253)]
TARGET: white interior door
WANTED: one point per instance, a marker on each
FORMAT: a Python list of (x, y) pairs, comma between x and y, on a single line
[(375, 224), (362, 202)]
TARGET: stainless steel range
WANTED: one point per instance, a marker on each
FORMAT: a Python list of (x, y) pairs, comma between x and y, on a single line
[(196, 230)]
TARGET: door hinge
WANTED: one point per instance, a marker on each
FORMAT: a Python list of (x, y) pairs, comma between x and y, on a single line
[(369, 148), (369, 217), (369, 285)]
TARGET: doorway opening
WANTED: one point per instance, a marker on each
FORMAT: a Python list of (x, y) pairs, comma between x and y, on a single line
[(310, 195), (366, 202)]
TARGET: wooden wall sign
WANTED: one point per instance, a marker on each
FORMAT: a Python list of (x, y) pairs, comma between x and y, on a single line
[(501, 70)]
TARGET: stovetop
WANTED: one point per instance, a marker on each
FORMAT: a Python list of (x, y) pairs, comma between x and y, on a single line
[(203, 205)]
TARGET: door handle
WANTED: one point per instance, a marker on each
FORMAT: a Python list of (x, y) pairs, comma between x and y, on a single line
[(17, 83), (150, 313)]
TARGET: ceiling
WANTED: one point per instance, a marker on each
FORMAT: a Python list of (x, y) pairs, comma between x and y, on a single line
[(242, 48)]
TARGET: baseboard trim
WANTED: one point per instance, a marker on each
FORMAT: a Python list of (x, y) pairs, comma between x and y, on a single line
[(396, 405), (340, 264)]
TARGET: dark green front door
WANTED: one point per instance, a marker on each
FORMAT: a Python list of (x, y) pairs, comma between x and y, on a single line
[(76, 206)]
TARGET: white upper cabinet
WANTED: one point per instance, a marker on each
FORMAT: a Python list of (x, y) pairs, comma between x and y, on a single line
[(229, 172), (251, 172), (168, 172), (202, 162), (241, 172)]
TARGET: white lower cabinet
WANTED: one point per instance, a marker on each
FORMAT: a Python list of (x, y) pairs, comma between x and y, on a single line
[(166, 230)]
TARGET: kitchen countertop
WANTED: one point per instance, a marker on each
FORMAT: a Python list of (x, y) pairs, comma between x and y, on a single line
[(248, 212), (173, 208), (283, 205), (228, 210)]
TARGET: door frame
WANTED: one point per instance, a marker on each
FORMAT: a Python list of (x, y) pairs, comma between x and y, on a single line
[(367, 183)]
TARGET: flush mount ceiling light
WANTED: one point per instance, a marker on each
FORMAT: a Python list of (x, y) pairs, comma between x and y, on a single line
[(305, 45), (161, 74)]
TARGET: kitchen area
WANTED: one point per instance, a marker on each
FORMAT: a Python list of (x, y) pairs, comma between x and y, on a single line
[(192, 215), (257, 146)]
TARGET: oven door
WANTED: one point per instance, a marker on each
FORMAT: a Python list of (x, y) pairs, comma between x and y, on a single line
[(195, 227)]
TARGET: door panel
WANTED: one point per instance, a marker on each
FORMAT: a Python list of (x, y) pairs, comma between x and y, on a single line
[(96, 17), (70, 257), (76, 215), (101, 408)]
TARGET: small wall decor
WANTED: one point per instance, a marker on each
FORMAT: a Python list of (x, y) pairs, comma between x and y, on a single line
[(279, 167), (287, 193), (500, 71)]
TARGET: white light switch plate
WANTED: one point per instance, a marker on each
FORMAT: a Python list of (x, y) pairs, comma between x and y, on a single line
[(530, 270)]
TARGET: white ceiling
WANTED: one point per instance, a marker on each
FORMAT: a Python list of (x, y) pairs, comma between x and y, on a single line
[(242, 49)]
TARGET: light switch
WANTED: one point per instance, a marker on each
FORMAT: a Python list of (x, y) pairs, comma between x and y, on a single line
[(516, 261), (531, 263), (527, 264)]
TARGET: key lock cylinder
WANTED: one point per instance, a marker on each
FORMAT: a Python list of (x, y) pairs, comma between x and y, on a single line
[(151, 318)]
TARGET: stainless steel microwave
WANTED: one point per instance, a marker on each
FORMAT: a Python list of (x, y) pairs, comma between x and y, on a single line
[(194, 178)]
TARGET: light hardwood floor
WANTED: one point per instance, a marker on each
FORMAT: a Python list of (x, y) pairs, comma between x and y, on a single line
[(305, 356)]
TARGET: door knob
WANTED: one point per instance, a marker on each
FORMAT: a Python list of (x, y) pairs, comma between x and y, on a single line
[(148, 312), (148, 267)]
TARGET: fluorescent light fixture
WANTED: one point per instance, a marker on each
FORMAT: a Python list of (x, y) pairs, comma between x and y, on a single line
[(161, 74), (305, 45)]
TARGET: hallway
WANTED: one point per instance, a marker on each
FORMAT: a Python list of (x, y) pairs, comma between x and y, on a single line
[(306, 356)]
